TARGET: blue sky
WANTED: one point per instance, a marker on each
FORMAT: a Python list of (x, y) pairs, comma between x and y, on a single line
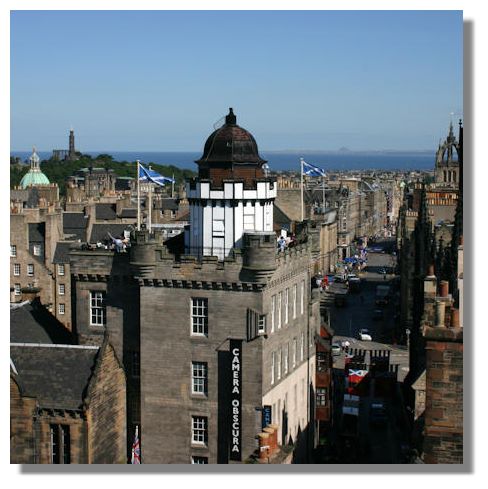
[(157, 81)]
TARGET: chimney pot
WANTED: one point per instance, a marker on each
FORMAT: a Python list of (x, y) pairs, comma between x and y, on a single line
[(444, 288), (440, 310), (454, 318)]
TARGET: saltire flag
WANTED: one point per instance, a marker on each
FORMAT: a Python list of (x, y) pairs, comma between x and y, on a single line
[(312, 170), (356, 376), (148, 175), (136, 449)]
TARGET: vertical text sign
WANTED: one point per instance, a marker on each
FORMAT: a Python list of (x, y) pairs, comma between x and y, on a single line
[(267, 416), (236, 399)]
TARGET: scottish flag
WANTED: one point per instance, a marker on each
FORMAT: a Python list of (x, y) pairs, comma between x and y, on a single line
[(147, 175), (311, 170)]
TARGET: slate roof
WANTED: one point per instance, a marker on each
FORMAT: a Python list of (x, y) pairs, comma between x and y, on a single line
[(100, 231), (74, 224), (57, 375), (129, 213), (61, 254), (123, 183), (30, 322), (37, 231), (74, 220), (105, 211), (169, 204)]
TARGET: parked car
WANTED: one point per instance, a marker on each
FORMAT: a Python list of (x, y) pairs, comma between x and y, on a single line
[(382, 271), (364, 335), (336, 349)]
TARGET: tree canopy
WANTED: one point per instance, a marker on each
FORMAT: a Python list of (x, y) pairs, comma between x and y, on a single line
[(58, 171)]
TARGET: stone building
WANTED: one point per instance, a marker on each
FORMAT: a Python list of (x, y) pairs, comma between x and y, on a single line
[(217, 331), (34, 233), (61, 275), (67, 402), (446, 172), (443, 416), (324, 382), (430, 262), (38, 191), (91, 182)]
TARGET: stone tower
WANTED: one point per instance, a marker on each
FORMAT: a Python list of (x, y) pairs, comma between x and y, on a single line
[(231, 195), (71, 151), (447, 161)]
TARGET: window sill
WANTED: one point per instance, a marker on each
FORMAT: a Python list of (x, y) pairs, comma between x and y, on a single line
[(200, 446), (199, 397)]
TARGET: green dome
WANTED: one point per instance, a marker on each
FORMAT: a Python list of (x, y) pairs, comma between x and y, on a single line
[(34, 177)]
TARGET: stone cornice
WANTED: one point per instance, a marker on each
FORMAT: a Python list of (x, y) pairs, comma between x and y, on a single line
[(200, 284)]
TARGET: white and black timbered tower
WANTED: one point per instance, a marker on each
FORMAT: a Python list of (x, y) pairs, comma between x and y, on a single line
[(231, 195)]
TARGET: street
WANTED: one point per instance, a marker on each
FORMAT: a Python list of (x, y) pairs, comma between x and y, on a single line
[(375, 442)]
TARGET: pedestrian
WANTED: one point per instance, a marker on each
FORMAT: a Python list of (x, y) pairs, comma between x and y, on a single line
[(282, 243)]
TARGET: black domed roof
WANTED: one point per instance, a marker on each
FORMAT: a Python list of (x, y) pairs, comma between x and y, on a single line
[(231, 144)]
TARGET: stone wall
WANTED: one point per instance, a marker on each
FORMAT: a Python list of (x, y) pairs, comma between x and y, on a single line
[(288, 200), (167, 352), (106, 412), (443, 442), (41, 280), (21, 426), (30, 438)]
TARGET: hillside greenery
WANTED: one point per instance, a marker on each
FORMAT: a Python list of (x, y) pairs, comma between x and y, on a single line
[(58, 171)]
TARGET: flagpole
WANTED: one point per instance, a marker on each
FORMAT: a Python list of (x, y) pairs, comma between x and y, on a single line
[(138, 200), (150, 207), (323, 194), (301, 186)]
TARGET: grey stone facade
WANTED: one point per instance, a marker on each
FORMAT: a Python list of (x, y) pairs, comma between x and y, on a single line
[(153, 289)]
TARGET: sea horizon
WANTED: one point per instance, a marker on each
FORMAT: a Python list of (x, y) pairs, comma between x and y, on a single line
[(280, 160)]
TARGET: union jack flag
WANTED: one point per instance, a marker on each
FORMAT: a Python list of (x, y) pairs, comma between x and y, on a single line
[(136, 449)]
